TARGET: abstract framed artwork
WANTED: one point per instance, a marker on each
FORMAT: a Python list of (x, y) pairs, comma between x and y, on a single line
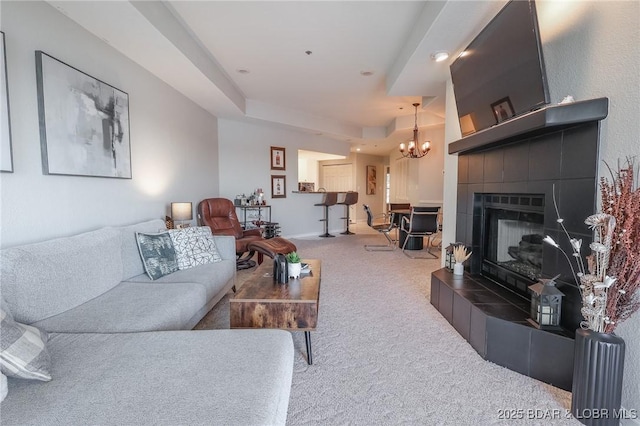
[(6, 155), (277, 158), (84, 122), (371, 180), (279, 186)]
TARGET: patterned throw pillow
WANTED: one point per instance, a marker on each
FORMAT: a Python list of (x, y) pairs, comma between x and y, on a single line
[(194, 246), (157, 253), (23, 353)]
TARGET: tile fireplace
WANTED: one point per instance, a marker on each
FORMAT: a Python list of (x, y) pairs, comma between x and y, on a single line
[(508, 176)]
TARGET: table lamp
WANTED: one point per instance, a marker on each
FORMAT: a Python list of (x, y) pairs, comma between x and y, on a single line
[(181, 212)]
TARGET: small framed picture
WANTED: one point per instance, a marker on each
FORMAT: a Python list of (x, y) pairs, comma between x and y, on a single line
[(279, 186), (306, 186), (371, 180), (277, 158), (502, 109)]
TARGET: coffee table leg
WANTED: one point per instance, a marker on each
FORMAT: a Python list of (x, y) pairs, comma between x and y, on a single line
[(307, 339)]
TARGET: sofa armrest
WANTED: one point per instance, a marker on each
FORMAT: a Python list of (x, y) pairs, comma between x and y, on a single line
[(226, 245)]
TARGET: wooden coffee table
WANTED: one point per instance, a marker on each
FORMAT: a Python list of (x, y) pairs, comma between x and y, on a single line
[(263, 303)]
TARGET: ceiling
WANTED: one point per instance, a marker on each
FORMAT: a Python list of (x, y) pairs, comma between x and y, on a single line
[(298, 64)]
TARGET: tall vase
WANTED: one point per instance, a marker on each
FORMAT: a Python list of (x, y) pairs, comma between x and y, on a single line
[(598, 368)]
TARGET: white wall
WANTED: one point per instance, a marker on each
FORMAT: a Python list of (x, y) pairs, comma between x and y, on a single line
[(591, 50), (374, 201), (245, 166), (425, 180), (431, 169), (173, 141)]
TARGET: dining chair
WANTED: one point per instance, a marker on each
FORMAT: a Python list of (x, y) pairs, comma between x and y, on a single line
[(422, 222), (396, 218), (384, 228)]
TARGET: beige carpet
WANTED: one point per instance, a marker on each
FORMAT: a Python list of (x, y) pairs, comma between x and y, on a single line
[(384, 356)]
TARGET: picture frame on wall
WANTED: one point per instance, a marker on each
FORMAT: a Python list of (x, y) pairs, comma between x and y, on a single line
[(502, 110), (278, 158), (372, 180), (278, 186), (6, 152), (84, 122)]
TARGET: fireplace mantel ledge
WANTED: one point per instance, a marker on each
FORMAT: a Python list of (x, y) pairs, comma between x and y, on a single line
[(544, 120)]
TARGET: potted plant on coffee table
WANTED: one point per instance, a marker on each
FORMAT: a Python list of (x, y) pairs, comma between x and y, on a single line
[(295, 264)]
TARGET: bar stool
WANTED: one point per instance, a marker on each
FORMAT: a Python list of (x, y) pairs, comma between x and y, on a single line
[(330, 199), (350, 198)]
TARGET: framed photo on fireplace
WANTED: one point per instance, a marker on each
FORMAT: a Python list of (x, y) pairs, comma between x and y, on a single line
[(502, 109), (84, 122)]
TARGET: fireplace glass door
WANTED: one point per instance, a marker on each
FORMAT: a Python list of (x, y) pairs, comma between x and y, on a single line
[(514, 241)]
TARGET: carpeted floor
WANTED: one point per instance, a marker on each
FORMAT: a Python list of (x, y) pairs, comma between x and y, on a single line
[(384, 356)]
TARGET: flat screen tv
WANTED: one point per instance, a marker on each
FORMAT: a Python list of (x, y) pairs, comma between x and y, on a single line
[(501, 74)]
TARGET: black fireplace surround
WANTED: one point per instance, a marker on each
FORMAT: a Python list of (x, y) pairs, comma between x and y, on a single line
[(502, 172)]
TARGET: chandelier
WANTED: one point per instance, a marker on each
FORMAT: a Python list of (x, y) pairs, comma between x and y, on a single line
[(413, 150)]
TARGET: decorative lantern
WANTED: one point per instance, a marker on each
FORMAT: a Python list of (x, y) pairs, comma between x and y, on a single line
[(449, 261), (546, 304)]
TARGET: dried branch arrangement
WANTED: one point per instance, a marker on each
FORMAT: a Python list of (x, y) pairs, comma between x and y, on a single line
[(609, 283), (621, 199), (460, 253)]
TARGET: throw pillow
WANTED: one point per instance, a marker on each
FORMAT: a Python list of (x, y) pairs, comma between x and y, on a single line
[(23, 352), (157, 253), (194, 246)]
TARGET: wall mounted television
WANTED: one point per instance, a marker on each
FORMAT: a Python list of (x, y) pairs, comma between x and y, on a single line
[(501, 74)]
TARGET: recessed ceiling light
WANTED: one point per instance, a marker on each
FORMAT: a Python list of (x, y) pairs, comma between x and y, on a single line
[(242, 71), (366, 73), (358, 149), (440, 56)]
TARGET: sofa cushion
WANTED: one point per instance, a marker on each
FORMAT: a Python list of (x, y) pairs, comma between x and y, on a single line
[(212, 276), (131, 261), (209, 377), (194, 246), (132, 307), (226, 245), (44, 279), (23, 352), (157, 253)]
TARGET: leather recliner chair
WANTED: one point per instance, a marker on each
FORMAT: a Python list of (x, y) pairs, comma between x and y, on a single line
[(219, 214)]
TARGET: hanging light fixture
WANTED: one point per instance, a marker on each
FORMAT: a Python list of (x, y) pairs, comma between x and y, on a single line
[(413, 150)]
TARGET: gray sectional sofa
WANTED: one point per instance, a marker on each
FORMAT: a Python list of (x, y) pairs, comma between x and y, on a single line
[(121, 345)]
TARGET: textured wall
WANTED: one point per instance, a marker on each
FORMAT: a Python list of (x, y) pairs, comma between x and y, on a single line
[(592, 49), (173, 141), (244, 166)]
